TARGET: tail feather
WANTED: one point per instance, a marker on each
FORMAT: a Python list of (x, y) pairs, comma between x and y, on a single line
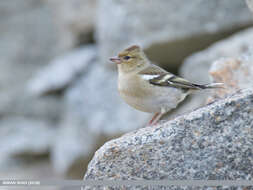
[(212, 85)]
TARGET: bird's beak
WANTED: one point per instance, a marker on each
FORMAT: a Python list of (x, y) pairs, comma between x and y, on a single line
[(115, 60)]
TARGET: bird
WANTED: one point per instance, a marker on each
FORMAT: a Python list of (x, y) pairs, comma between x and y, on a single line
[(148, 87)]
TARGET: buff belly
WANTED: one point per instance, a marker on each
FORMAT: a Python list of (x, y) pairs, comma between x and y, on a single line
[(163, 98)]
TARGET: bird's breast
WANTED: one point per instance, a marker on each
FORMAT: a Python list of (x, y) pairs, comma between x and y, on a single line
[(137, 94), (147, 97)]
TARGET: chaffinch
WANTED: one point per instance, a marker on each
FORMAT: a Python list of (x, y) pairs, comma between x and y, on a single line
[(149, 88)]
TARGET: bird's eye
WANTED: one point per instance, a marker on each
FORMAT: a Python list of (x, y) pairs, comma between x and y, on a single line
[(126, 57)]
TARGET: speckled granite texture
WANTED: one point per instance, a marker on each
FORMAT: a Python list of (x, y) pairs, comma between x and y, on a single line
[(213, 142)]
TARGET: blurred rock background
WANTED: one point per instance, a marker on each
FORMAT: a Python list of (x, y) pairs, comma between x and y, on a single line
[(58, 98)]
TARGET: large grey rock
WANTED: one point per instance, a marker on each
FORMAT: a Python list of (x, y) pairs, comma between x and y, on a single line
[(94, 113), (29, 39), (73, 147), (22, 136), (234, 73), (214, 142), (62, 71), (75, 18), (18, 102), (24, 148), (167, 30), (250, 4)]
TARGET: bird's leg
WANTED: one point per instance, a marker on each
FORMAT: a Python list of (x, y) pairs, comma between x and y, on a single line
[(153, 118), (156, 117)]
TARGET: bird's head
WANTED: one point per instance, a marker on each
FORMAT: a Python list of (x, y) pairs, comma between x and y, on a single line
[(130, 59)]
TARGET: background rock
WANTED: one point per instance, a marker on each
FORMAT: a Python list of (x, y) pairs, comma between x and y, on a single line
[(234, 73), (17, 37), (196, 67), (187, 26), (72, 149), (20, 136), (75, 18), (20, 103), (214, 142), (250, 4), (62, 71), (29, 39)]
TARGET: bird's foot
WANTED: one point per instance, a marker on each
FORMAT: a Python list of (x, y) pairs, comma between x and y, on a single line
[(155, 119)]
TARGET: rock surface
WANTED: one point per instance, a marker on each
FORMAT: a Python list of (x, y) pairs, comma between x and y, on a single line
[(179, 27), (250, 4), (75, 18), (76, 148), (234, 73), (23, 48), (62, 71), (20, 103), (29, 39), (20, 136), (214, 142)]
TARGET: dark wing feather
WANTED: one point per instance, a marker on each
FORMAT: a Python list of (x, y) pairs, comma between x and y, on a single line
[(171, 80), (167, 79)]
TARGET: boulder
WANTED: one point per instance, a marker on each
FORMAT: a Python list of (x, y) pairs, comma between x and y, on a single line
[(250, 4), (75, 18), (72, 148), (211, 143), (167, 30), (234, 73), (20, 136), (29, 39), (62, 71), (17, 102), (23, 48)]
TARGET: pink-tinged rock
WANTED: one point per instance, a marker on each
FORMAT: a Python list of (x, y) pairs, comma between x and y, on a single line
[(235, 73)]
